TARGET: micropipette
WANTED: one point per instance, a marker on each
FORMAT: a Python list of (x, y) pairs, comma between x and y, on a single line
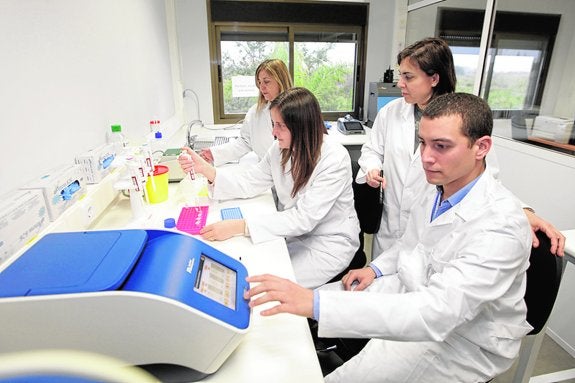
[(381, 188), (192, 171)]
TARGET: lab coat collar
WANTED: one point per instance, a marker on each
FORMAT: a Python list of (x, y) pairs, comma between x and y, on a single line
[(407, 111), (467, 208)]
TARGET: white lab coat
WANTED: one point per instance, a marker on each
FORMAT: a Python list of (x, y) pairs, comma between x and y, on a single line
[(454, 310), (320, 224), (389, 147), (255, 135)]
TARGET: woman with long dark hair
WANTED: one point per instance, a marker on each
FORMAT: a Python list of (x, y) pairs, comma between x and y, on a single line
[(312, 176)]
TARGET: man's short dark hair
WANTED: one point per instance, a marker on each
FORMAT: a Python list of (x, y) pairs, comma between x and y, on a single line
[(476, 116)]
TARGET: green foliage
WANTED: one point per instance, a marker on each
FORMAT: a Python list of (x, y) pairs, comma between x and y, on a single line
[(331, 83), (508, 91)]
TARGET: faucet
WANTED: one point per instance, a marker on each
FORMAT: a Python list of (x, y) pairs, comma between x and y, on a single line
[(191, 138)]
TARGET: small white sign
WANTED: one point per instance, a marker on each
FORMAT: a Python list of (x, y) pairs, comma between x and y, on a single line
[(244, 86)]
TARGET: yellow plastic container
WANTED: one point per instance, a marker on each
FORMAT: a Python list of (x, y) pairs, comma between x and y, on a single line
[(157, 188)]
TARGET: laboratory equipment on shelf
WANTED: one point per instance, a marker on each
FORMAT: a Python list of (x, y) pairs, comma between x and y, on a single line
[(553, 129), (197, 144), (349, 125), (133, 180), (158, 299), (139, 170), (116, 138), (380, 93)]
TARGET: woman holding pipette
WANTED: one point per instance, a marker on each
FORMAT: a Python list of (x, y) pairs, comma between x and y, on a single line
[(311, 173)]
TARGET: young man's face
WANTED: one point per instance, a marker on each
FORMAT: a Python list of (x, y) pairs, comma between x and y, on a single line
[(447, 157)]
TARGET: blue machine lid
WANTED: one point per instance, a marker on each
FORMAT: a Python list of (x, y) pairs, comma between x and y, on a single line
[(74, 262)]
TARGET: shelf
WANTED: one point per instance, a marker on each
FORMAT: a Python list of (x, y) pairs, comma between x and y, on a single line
[(552, 143)]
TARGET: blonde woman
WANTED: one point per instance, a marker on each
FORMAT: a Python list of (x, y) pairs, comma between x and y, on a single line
[(272, 78)]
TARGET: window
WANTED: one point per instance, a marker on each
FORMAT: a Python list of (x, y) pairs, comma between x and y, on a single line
[(518, 57), (514, 73), (321, 43), (325, 64), (242, 50), (525, 56)]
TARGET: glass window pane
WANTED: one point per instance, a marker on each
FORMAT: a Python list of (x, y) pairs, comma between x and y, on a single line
[(510, 79), (516, 66), (241, 53), (465, 60), (325, 64)]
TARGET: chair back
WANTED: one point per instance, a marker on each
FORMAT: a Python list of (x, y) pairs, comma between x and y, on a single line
[(367, 204), (543, 280)]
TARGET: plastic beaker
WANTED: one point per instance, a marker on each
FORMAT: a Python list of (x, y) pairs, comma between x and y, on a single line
[(157, 188)]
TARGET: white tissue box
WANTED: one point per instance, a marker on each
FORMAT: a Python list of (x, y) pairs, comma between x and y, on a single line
[(96, 163), (23, 215), (61, 188)]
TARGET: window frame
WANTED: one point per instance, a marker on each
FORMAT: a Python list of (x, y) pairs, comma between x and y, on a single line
[(319, 22)]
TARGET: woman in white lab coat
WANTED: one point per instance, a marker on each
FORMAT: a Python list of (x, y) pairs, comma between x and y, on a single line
[(426, 70), (312, 176), (272, 78)]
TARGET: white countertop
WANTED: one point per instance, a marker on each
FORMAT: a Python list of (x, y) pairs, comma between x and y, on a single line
[(276, 349), (210, 131)]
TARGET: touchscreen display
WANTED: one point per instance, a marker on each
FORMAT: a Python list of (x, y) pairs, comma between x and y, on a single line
[(216, 282), (353, 125)]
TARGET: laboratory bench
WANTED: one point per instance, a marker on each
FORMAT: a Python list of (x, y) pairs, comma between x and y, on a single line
[(352, 142), (277, 348)]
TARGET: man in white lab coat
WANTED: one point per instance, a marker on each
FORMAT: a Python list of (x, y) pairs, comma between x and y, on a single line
[(446, 302)]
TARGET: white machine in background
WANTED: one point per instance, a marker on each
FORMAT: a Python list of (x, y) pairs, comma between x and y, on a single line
[(553, 128), (349, 125), (161, 300), (380, 93)]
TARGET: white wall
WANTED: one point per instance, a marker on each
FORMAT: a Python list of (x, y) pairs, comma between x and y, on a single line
[(540, 177), (70, 69), (386, 35), (192, 27)]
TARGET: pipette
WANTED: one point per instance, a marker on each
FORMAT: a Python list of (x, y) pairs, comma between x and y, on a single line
[(192, 171), (381, 188)]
